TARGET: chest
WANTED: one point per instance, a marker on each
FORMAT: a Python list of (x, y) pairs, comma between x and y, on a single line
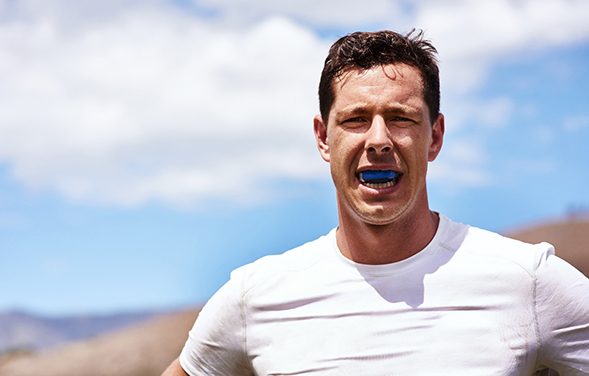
[(388, 328)]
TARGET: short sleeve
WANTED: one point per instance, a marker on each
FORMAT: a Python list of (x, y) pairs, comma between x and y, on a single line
[(562, 313), (216, 343)]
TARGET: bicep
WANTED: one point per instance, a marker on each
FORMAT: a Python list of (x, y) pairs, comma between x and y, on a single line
[(562, 306), (216, 343), (175, 369)]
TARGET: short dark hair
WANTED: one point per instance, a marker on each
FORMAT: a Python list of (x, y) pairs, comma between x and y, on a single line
[(365, 50)]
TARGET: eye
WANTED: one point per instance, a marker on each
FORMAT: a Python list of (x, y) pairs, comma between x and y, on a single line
[(401, 121), (357, 119), (354, 121)]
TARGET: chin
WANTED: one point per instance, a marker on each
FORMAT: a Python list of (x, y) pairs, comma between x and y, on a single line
[(378, 221), (378, 217)]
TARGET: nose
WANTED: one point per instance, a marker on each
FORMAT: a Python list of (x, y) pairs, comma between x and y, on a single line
[(378, 139)]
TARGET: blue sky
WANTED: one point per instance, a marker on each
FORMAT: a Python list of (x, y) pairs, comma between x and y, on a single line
[(149, 148)]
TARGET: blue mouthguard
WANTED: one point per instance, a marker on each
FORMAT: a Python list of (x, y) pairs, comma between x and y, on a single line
[(378, 176)]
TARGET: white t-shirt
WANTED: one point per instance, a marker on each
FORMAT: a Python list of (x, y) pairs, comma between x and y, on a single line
[(471, 303)]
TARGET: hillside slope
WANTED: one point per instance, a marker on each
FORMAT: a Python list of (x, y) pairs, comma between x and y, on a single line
[(25, 331), (142, 350)]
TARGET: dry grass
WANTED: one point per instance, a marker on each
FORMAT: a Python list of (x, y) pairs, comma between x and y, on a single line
[(142, 350)]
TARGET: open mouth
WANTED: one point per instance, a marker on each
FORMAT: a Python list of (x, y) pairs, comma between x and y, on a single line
[(379, 178)]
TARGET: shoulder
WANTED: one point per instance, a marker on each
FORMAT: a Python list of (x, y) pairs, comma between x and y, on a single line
[(493, 248), (279, 266)]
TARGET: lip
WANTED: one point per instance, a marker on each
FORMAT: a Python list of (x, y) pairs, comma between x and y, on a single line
[(377, 168), (379, 192), (373, 191)]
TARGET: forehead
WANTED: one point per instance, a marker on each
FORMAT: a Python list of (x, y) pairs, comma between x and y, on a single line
[(394, 82)]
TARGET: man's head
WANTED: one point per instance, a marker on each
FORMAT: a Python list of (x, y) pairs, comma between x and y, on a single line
[(365, 50), (380, 126)]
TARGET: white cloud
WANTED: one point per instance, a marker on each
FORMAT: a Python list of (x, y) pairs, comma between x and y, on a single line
[(127, 102), (460, 164), (472, 34), (156, 105), (543, 134), (574, 124), (464, 112), (325, 13), (469, 34)]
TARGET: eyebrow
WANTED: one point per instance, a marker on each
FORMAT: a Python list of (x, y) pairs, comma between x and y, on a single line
[(362, 109)]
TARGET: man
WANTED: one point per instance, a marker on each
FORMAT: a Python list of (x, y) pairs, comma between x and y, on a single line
[(396, 289)]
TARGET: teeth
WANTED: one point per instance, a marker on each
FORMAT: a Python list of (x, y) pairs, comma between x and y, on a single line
[(380, 185)]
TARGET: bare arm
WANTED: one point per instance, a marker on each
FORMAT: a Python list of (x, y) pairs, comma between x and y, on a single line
[(175, 369)]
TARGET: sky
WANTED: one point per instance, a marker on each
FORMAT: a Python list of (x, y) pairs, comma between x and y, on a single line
[(147, 148)]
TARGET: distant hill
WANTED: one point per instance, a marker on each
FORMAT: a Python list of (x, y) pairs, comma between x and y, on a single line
[(23, 331), (570, 238), (141, 350)]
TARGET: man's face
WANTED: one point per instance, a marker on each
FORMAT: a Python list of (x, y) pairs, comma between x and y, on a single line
[(378, 142)]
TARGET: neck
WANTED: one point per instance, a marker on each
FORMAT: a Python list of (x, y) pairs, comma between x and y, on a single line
[(366, 243)]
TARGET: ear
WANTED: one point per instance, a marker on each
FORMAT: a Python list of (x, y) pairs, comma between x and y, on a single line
[(320, 129), (437, 140)]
